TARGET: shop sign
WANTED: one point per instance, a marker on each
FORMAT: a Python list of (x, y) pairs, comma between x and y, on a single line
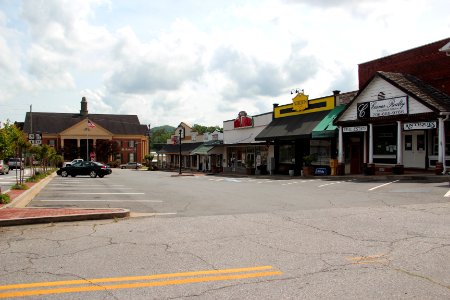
[(383, 108), (35, 138), (300, 102), (419, 125), (243, 120), (355, 129)]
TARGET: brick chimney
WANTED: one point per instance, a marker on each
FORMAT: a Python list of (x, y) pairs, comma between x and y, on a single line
[(83, 110)]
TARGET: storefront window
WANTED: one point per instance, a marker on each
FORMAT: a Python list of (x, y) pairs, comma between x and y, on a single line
[(240, 156), (321, 148), (287, 154), (385, 140)]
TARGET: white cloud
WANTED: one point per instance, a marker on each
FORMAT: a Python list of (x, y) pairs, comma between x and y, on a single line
[(199, 63)]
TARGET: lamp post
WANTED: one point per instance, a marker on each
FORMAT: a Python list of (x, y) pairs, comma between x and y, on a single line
[(179, 132), (136, 152)]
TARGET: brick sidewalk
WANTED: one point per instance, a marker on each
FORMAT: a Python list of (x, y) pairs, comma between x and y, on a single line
[(10, 216)]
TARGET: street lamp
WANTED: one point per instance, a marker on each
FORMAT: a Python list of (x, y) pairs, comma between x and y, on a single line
[(136, 152), (179, 132)]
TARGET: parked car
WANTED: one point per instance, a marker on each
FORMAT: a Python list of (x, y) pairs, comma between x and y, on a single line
[(130, 165), (15, 163), (91, 168), (4, 168)]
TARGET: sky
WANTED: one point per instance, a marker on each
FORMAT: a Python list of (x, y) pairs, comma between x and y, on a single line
[(196, 61)]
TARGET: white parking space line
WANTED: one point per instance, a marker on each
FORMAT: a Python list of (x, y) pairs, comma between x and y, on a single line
[(84, 187), (104, 193), (379, 186), (327, 184), (447, 194), (98, 200)]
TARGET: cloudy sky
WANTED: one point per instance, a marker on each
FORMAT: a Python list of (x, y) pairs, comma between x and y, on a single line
[(193, 60)]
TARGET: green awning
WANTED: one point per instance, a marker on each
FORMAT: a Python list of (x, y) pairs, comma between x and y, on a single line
[(202, 150), (325, 128)]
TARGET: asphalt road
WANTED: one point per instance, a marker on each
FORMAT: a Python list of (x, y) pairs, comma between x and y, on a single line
[(163, 193), (8, 180), (235, 238)]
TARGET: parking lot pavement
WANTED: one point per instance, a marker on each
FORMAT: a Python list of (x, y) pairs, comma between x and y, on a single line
[(16, 213)]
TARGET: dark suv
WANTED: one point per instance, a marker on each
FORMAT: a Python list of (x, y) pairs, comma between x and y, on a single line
[(15, 163)]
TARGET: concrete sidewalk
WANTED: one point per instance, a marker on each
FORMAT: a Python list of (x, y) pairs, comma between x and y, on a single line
[(17, 212)]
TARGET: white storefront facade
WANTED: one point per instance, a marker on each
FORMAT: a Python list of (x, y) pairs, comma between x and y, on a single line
[(242, 154), (396, 122)]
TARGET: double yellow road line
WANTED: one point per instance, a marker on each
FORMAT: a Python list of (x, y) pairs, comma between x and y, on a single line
[(101, 284)]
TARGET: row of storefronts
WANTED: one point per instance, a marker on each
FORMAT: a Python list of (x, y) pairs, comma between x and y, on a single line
[(397, 121)]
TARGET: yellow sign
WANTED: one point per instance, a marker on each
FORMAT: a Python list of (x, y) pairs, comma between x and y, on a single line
[(300, 102)]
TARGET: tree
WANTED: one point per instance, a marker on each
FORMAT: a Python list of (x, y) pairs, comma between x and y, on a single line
[(106, 148), (160, 135), (200, 129)]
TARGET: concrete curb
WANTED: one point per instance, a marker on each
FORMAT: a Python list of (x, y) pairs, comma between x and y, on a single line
[(118, 213), (26, 197)]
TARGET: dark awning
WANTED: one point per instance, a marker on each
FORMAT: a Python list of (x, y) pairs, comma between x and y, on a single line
[(288, 128), (175, 148), (326, 129)]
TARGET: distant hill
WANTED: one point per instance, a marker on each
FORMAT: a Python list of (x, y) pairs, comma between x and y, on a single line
[(166, 128), (160, 135)]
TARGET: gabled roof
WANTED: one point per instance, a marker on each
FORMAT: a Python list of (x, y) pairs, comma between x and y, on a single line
[(54, 123), (426, 94)]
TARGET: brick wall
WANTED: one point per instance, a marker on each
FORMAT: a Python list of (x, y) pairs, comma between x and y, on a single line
[(426, 63)]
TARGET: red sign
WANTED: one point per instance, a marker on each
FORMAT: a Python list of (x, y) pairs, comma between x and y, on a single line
[(243, 120)]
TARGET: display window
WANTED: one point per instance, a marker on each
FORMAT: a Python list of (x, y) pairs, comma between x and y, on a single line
[(385, 140), (287, 154)]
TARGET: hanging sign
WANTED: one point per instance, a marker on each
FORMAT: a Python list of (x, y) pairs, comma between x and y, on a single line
[(419, 125), (300, 102), (355, 129), (383, 108)]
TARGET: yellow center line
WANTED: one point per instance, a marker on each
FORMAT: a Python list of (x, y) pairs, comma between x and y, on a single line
[(137, 285), (131, 278)]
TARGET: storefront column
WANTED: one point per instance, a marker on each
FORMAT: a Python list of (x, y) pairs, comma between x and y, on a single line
[(370, 143), (441, 147), (370, 170), (341, 163), (399, 168), (365, 148)]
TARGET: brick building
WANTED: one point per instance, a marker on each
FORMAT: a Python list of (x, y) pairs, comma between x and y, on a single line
[(427, 63), (100, 137), (399, 118)]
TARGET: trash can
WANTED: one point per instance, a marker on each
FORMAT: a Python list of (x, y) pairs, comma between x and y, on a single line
[(333, 166)]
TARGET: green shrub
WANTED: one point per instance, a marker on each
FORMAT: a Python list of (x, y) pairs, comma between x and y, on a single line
[(4, 199), (20, 186), (114, 164)]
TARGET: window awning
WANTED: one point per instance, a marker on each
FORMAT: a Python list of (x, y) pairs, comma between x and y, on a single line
[(326, 129), (294, 127), (202, 150)]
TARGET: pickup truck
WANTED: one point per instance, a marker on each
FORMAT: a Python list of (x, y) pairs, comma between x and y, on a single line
[(65, 164)]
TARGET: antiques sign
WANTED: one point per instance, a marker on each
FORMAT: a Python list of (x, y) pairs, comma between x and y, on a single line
[(383, 108), (419, 125)]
